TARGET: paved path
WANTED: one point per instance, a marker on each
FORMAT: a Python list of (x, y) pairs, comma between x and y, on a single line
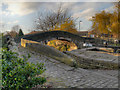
[(61, 76), (96, 55)]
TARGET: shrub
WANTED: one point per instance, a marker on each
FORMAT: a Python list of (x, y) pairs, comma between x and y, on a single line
[(17, 73)]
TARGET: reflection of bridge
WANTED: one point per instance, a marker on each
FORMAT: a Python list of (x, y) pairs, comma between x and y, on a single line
[(59, 35)]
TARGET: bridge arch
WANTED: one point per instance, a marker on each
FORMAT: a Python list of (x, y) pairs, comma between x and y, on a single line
[(44, 37)]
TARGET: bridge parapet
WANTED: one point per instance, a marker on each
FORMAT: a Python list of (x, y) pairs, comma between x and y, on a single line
[(56, 35)]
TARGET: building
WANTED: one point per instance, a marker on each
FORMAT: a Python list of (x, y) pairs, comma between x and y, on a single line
[(83, 33)]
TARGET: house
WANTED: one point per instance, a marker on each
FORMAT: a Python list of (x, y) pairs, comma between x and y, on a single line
[(83, 33)]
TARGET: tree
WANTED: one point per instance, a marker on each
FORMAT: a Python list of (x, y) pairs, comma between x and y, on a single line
[(107, 23), (115, 21), (52, 19), (20, 33), (101, 22), (68, 26), (12, 33), (15, 28)]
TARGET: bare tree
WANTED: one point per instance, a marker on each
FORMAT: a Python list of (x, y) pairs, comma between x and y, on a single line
[(15, 28), (11, 33), (14, 31), (48, 21)]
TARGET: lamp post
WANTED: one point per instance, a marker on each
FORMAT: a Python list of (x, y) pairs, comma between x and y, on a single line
[(79, 24)]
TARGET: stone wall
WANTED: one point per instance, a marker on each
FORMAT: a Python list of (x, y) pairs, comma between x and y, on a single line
[(25, 41), (51, 52), (48, 51), (89, 63)]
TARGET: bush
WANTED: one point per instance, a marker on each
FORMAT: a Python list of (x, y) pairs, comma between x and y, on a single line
[(17, 73)]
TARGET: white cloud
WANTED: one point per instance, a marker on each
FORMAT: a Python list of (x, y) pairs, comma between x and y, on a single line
[(60, 1), (1, 22), (22, 8), (68, 5), (110, 9), (0, 8), (85, 13), (5, 13), (14, 22)]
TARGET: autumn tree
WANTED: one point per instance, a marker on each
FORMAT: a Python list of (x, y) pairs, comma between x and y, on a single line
[(115, 21), (52, 20), (68, 26), (101, 22), (107, 23)]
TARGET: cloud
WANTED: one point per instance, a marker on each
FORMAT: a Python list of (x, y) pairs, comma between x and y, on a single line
[(60, 0), (25, 8), (22, 8), (0, 8), (85, 13), (14, 22), (110, 9), (1, 22), (5, 13)]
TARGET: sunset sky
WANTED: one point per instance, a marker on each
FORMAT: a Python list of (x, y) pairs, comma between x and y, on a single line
[(25, 13)]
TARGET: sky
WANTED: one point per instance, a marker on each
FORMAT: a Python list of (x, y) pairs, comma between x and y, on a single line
[(24, 13)]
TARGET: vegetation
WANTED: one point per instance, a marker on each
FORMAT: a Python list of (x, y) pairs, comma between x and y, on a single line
[(59, 20), (106, 23), (62, 45), (3, 41), (67, 26), (12, 33), (15, 32), (101, 23), (20, 33), (17, 73)]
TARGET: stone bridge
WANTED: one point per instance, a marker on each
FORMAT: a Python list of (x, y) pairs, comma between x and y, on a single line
[(45, 37)]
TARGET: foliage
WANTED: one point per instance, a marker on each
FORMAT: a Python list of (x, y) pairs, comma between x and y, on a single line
[(52, 19), (115, 24), (107, 23), (20, 33), (62, 45), (101, 22), (3, 40), (17, 73), (68, 26)]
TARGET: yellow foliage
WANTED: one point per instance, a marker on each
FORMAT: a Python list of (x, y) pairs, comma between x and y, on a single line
[(106, 23), (62, 45), (67, 26)]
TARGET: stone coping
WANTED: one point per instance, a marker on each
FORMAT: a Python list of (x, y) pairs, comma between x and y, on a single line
[(83, 59)]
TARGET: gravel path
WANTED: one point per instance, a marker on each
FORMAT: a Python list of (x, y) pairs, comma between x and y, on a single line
[(60, 75)]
